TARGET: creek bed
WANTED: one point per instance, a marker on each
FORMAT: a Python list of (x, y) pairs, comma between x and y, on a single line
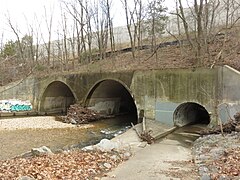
[(15, 141)]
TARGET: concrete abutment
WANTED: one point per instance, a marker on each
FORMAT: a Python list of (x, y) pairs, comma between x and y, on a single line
[(155, 93)]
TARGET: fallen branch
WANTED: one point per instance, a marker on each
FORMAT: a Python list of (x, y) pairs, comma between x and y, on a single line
[(228, 127), (144, 135)]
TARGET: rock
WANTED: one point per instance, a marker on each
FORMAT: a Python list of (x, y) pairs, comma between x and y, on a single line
[(143, 144), (203, 157), (203, 170), (217, 152), (205, 177), (88, 148), (41, 150), (224, 177), (26, 155), (126, 155), (106, 145), (107, 165), (237, 128), (72, 121), (25, 178), (114, 158)]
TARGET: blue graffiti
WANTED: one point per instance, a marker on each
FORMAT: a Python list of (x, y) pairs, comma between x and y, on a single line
[(15, 105), (21, 107)]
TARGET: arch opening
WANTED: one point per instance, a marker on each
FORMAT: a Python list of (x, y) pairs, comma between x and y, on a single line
[(190, 113), (112, 98), (56, 98)]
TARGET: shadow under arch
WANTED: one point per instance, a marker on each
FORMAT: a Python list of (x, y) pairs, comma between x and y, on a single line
[(190, 113), (112, 97), (56, 98)]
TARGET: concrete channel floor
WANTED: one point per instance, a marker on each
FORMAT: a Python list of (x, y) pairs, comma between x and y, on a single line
[(165, 159)]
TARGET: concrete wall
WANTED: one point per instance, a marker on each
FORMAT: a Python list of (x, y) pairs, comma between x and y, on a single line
[(157, 92), (160, 92), (229, 93), (22, 90)]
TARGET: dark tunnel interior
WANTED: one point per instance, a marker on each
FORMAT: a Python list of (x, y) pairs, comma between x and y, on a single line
[(57, 98), (190, 113), (111, 97)]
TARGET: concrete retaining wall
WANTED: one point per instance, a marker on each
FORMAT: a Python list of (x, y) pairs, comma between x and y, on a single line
[(160, 92), (157, 93), (229, 93)]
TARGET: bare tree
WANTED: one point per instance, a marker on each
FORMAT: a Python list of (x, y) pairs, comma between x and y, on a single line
[(64, 39), (89, 32), (101, 26), (110, 24), (78, 9), (185, 23), (16, 32), (199, 35), (129, 24), (155, 22), (134, 17), (49, 23), (1, 43)]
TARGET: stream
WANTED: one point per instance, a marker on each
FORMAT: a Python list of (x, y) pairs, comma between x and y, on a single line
[(16, 142)]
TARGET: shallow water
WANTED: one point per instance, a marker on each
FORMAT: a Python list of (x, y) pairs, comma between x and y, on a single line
[(187, 135), (16, 142)]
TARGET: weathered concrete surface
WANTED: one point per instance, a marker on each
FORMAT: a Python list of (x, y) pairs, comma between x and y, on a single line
[(157, 93), (229, 93), (166, 159)]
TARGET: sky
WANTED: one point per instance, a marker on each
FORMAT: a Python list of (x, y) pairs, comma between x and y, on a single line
[(24, 12)]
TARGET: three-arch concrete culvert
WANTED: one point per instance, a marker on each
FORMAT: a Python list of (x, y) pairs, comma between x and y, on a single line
[(112, 97), (107, 96)]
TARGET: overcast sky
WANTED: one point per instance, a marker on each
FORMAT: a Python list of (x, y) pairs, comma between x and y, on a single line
[(22, 12)]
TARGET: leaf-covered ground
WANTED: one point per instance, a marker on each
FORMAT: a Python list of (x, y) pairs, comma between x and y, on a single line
[(69, 165), (218, 157)]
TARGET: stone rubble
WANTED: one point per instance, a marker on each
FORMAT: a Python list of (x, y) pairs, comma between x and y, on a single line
[(217, 156)]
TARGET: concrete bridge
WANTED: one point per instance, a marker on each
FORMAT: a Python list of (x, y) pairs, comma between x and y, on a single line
[(171, 96)]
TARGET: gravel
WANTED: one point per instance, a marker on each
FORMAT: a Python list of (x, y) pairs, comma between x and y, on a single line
[(38, 122), (217, 156)]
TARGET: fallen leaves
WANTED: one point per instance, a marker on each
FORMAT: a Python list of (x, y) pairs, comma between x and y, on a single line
[(71, 165), (228, 164)]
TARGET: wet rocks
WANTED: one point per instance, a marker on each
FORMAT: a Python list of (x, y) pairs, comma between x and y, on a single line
[(37, 152), (104, 145), (40, 151)]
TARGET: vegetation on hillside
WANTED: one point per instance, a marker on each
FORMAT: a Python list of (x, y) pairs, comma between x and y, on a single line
[(205, 34)]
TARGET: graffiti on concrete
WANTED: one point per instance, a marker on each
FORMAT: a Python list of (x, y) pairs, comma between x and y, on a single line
[(14, 105)]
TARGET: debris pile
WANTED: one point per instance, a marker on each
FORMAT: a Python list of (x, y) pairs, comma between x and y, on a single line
[(146, 136), (230, 126), (80, 115), (70, 165)]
